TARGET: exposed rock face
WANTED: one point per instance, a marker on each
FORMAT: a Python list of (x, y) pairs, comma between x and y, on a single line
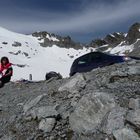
[(99, 105), (110, 40), (46, 39), (114, 39), (97, 42), (132, 38), (133, 33)]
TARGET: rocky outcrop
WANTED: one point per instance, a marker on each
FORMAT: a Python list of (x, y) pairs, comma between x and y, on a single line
[(114, 39), (103, 104), (111, 40), (97, 42), (133, 33), (47, 40), (117, 39)]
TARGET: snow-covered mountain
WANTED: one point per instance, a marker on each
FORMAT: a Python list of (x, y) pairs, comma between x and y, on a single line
[(33, 57), (120, 43), (42, 52)]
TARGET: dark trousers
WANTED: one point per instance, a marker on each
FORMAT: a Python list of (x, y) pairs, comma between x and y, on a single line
[(4, 80)]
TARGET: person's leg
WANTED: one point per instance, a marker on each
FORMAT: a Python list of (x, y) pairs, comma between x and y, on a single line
[(4, 80), (1, 84)]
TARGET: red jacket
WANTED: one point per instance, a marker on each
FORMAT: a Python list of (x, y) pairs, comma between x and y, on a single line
[(3, 69)]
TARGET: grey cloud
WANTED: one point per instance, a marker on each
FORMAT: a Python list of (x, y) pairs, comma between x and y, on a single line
[(92, 16)]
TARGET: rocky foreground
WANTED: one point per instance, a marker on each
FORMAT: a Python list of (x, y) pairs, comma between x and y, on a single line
[(103, 104)]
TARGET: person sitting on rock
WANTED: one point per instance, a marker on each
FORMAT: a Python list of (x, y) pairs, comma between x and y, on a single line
[(6, 71)]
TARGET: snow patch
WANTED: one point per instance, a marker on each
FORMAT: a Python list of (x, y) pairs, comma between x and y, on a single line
[(51, 38)]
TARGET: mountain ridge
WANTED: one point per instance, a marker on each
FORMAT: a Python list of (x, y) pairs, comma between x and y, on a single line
[(60, 52)]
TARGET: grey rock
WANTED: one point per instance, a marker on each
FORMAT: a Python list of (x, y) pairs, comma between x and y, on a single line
[(90, 111), (133, 33), (134, 104), (32, 102), (97, 42), (47, 124), (113, 120), (133, 117), (5, 137), (16, 44), (125, 134), (75, 99), (64, 42), (134, 70), (42, 112), (74, 84)]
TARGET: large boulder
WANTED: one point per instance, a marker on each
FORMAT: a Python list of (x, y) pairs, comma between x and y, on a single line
[(53, 74), (90, 111)]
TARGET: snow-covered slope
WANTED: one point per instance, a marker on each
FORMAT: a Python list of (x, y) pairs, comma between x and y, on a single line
[(36, 60)]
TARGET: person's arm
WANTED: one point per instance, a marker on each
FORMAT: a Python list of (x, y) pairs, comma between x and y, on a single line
[(10, 72)]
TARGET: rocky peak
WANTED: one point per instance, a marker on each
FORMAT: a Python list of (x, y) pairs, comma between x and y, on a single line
[(133, 33), (47, 39), (97, 42), (115, 38), (111, 40)]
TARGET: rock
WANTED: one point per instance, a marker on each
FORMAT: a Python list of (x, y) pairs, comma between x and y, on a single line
[(113, 120), (17, 44), (53, 74), (98, 42), (133, 33), (90, 111), (42, 112), (6, 137), (75, 100), (32, 103), (74, 84), (134, 104), (133, 70), (133, 117), (125, 134), (47, 124)]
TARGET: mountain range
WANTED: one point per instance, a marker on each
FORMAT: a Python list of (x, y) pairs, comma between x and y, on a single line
[(42, 52)]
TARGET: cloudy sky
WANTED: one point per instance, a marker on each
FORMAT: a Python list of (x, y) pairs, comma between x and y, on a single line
[(83, 20)]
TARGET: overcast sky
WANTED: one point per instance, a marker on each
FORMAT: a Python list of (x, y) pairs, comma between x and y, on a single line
[(84, 20)]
